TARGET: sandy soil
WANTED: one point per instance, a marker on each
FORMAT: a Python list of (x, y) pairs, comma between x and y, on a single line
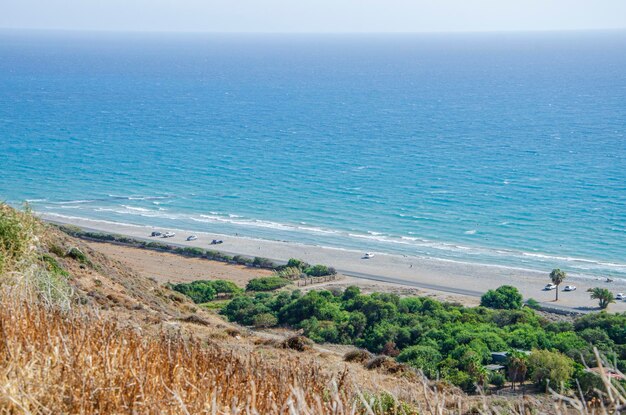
[(165, 267), (444, 277)]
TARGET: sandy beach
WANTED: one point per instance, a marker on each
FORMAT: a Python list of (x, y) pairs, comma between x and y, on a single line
[(448, 279)]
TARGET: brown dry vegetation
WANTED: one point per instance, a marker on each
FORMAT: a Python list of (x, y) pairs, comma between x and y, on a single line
[(86, 334)]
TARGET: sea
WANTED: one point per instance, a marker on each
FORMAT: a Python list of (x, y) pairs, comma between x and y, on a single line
[(503, 148)]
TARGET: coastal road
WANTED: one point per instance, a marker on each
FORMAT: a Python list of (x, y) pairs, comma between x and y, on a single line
[(361, 275)]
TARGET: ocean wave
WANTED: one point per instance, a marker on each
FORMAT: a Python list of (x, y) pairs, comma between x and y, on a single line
[(138, 209), (140, 197), (73, 202), (470, 232)]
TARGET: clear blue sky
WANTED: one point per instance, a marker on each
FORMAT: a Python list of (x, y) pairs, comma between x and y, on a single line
[(314, 15)]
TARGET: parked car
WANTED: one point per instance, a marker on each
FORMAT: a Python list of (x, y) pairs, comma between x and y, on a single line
[(368, 255), (549, 287), (155, 233), (169, 234), (569, 288), (192, 237), (216, 242), (620, 296)]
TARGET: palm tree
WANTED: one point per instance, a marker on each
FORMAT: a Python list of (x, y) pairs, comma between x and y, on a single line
[(516, 365), (557, 276), (604, 296)]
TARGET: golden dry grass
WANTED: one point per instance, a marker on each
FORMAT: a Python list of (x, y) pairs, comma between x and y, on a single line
[(56, 362)]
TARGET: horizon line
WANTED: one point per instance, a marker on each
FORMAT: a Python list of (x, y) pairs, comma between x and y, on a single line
[(208, 32)]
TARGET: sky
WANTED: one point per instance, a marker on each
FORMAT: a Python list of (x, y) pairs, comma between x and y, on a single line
[(314, 16)]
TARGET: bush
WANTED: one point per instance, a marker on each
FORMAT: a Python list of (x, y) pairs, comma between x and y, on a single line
[(198, 291), (534, 304), (497, 379), (386, 404), (357, 355), (266, 284), (298, 343), (504, 297), (57, 250), (551, 369), (202, 291), (297, 263), (265, 320), (78, 255), (262, 262), (225, 287), (53, 266), (317, 271)]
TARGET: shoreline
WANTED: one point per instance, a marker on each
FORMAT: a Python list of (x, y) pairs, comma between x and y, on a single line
[(434, 275)]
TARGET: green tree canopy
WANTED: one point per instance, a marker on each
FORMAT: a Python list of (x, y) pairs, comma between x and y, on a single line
[(504, 297), (550, 369)]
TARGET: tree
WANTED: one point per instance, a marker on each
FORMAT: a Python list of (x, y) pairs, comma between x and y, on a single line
[(557, 276), (551, 369), (516, 367), (504, 297), (603, 295)]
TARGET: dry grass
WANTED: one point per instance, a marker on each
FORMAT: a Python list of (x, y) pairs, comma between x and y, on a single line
[(56, 362)]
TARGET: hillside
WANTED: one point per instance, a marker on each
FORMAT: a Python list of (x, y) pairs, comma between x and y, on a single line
[(82, 333)]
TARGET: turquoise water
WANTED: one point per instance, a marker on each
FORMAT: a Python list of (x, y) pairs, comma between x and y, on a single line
[(503, 149)]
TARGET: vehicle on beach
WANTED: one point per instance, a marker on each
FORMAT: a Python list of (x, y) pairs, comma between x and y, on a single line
[(368, 255), (192, 238), (216, 242), (549, 287), (569, 288), (168, 234), (620, 296), (156, 233)]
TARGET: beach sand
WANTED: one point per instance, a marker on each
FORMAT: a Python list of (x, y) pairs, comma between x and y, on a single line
[(449, 279)]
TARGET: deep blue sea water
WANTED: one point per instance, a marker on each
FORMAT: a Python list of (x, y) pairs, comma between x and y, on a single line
[(505, 149)]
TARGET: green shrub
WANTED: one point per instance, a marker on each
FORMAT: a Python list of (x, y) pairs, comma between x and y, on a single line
[(297, 263), (57, 250), (265, 320), (497, 379), (317, 271), (385, 403), (266, 284), (505, 297), (78, 255), (262, 262), (198, 291), (53, 266), (225, 287), (551, 369)]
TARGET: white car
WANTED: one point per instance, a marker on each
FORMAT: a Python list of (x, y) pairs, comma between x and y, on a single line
[(368, 255), (192, 238), (169, 234), (620, 296), (569, 288), (549, 287)]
